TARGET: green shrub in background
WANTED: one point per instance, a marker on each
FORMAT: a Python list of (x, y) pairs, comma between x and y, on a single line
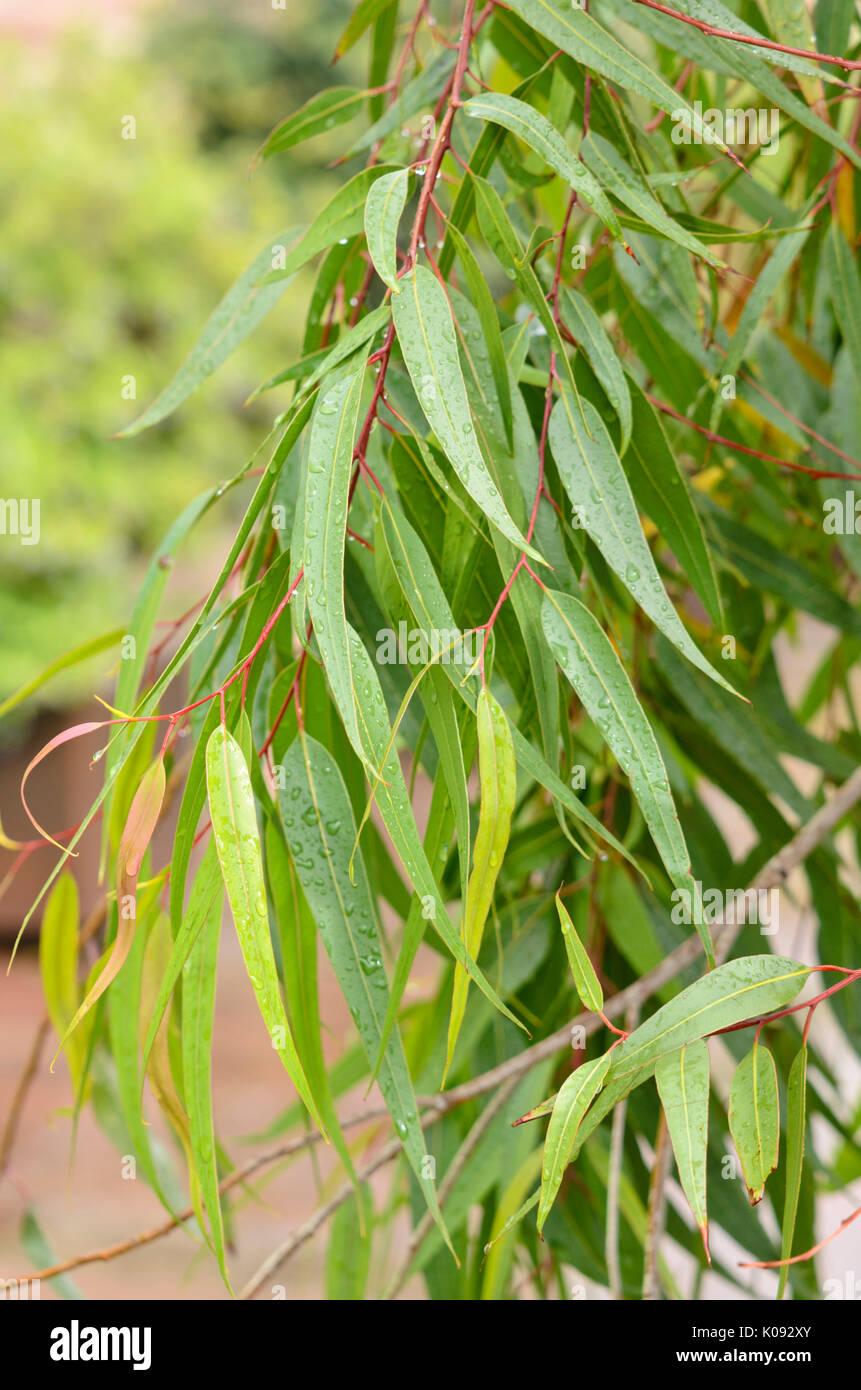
[(113, 250)]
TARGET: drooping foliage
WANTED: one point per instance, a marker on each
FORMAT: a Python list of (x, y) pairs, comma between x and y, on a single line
[(556, 496)]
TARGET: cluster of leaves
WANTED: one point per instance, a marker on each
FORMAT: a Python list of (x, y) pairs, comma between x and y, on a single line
[(511, 419)]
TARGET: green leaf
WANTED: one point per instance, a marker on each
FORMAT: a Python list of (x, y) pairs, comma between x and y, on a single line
[(586, 981), (767, 282), (572, 1102), (198, 1010), (206, 890), (383, 209), (63, 663), (586, 656), (498, 780), (143, 815), (58, 965), (683, 1084), (342, 217), (326, 110), (842, 269), (661, 489), (601, 496), (741, 989), (40, 1252), (321, 831), (237, 843), (363, 16), (579, 34), (485, 307), (796, 1120), (754, 1118), (594, 341), (537, 132), (327, 497), (428, 341), (239, 312)]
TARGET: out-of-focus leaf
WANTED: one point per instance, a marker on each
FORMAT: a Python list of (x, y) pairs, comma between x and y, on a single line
[(326, 110), (364, 15), (143, 815)]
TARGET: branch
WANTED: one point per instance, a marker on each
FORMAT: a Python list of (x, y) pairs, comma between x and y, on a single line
[(319, 1218), (714, 32)]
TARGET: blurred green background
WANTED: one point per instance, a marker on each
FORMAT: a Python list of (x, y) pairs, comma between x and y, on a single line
[(113, 253)]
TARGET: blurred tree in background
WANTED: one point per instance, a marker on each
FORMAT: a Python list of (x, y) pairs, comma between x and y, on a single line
[(107, 274)]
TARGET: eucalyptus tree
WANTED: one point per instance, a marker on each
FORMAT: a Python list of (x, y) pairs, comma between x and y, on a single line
[(562, 477)]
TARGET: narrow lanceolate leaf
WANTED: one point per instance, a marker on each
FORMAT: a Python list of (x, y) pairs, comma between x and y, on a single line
[(594, 341), (321, 832), (740, 989), (327, 495), (572, 1102), (661, 490), (159, 1068), (498, 780), (842, 266), (586, 982), (71, 658), (383, 209), (237, 843), (683, 1084), (796, 1119), (485, 307), (428, 341), (362, 17), (754, 1118), (579, 34), (240, 311), (586, 655), (537, 132), (601, 496), (143, 815), (198, 1008), (325, 111), (58, 963)]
